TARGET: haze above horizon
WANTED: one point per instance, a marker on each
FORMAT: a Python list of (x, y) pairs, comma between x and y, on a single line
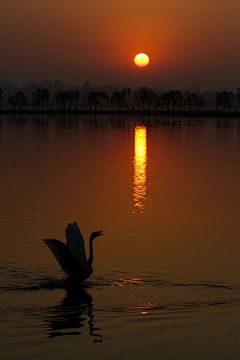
[(77, 40)]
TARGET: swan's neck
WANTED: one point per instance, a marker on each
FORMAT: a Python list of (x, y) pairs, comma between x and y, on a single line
[(90, 260)]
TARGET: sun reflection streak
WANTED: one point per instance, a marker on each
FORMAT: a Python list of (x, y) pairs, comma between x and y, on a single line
[(140, 167)]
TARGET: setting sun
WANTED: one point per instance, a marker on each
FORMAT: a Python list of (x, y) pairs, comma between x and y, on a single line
[(141, 60)]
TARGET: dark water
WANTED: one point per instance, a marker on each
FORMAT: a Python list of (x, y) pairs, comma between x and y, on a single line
[(166, 194)]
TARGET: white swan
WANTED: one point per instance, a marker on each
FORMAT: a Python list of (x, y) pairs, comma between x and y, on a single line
[(72, 256)]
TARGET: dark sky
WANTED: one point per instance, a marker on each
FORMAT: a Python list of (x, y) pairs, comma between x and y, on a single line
[(190, 41)]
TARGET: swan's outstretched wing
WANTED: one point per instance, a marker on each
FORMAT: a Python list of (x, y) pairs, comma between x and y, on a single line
[(67, 260), (75, 242)]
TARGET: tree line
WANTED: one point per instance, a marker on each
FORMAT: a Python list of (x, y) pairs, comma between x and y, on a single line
[(144, 98)]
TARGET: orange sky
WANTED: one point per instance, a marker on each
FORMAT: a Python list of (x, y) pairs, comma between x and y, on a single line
[(77, 40)]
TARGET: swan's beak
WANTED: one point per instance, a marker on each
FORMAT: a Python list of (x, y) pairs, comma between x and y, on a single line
[(99, 233)]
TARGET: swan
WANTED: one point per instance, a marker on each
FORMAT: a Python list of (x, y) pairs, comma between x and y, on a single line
[(72, 256)]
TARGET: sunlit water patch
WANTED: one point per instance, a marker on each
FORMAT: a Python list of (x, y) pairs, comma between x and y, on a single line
[(166, 272), (140, 167)]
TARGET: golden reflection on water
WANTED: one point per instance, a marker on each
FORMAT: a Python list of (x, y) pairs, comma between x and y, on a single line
[(140, 167), (131, 282)]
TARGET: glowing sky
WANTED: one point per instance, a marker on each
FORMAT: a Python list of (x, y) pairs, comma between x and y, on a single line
[(192, 41)]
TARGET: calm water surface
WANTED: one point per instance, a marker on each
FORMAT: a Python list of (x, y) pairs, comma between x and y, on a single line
[(166, 193)]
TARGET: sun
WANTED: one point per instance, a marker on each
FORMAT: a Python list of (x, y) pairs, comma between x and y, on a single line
[(141, 60)]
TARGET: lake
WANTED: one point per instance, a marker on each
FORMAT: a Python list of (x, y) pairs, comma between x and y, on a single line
[(166, 193)]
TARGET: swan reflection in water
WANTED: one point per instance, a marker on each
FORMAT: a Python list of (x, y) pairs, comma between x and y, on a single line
[(71, 314), (140, 167)]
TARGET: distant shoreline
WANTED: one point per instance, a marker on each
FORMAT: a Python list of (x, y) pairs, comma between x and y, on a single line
[(126, 112)]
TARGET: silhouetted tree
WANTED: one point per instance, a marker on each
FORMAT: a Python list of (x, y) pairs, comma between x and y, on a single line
[(13, 101), (190, 99), (84, 98), (166, 99), (95, 97), (144, 95), (228, 96), (238, 96), (137, 98), (224, 98), (39, 97), (119, 97), (174, 97), (36, 98), (198, 103), (45, 96), (151, 97), (158, 102), (18, 99), (61, 98), (1, 98), (218, 100), (73, 95)]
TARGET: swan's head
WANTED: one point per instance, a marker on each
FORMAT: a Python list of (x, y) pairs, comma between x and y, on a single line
[(96, 234)]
